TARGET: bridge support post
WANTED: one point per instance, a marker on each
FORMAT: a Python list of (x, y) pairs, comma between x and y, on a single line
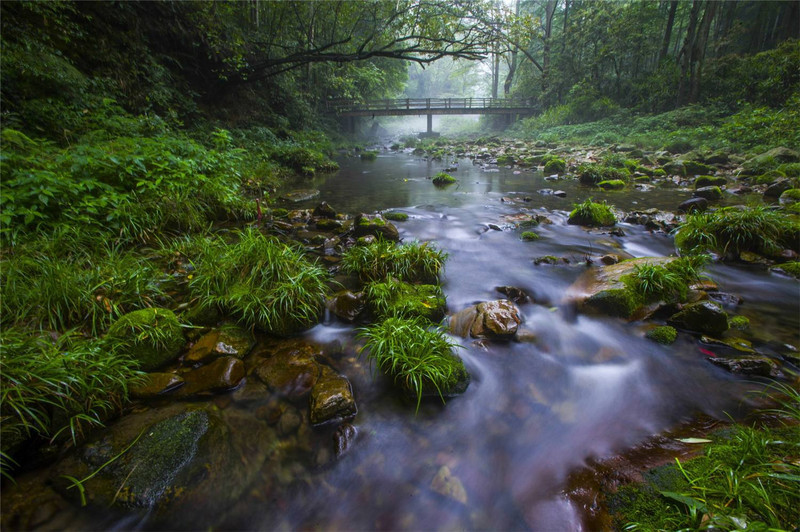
[(430, 124)]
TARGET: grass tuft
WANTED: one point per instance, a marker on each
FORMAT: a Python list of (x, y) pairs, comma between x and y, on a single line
[(381, 259)]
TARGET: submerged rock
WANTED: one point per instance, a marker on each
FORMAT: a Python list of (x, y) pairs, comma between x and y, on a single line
[(298, 196), (155, 384), (704, 317), (490, 319), (447, 485), (331, 398)]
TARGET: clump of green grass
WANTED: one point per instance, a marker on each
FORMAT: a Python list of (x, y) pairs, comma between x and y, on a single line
[(369, 155), (396, 299), (443, 179), (417, 357), (667, 282), (731, 230), (52, 387), (592, 214), (261, 281), (412, 262), (592, 174)]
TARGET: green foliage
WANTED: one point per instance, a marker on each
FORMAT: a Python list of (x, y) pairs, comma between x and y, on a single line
[(396, 299), (731, 230), (262, 282), (663, 335), (151, 336), (593, 174), (54, 386), (592, 214), (443, 179), (412, 262), (61, 283), (668, 282), (419, 359), (369, 155)]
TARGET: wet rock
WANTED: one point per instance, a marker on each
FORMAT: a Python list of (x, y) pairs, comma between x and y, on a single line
[(326, 224), (447, 485), (738, 344), (560, 194), (155, 384), (137, 330), (347, 305), (609, 259), (228, 341), (762, 366), (517, 295), (344, 438), (300, 195), (490, 319), (777, 188), (223, 374), (290, 371), (550, 259), (693, 205), (323, 210), (703, 317), (709, 193), (728, 301), (331, 398), (375, 225), (252, 393)]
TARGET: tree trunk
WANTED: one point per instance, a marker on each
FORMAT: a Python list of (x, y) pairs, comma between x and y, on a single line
[(512, 67), (673, 7), (550, 9), (699, 51), (685, 55)]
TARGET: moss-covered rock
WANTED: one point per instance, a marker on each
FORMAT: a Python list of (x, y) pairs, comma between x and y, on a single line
[(529, 236), (788, 268), (375, 225), (697, 168), (789, 196), (703, 317), (592, 214), (709, 193), (613, 184), (710, 181), (555, 165), (152, 336), (396, 216), (663, 335), (443, 179), (739, 322), (770, 160)]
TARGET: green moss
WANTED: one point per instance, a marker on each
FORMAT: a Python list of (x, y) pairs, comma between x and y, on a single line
[(709, 181), (696, 168), (396, 216), (791, 268), (592, 174), (592, 214), (790, 169), (152, 336), (443, 179), (767, 178), (555, 165), (790, 196), (280, 213), (614, 184), (739, 322), (529, 236), (505, 159), (659, 172), (394, 298), (663, 335), (369, 155), (617, 302)]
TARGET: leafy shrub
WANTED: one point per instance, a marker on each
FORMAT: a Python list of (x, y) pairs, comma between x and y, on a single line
[(381, 259), (731, 230), (419, 359), (261, 281), (592, 214)]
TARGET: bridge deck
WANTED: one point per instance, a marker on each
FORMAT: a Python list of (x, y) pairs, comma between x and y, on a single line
[(432, 106)]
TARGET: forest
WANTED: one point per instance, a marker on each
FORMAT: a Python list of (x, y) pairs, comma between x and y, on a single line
[(223, 304)]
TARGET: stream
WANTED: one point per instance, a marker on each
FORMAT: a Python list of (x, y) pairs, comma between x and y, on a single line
[(573, 389)]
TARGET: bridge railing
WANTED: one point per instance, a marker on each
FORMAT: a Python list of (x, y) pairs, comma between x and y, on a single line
[(421, 104)]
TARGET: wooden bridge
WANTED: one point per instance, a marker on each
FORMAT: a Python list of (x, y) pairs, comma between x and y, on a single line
[(433, 106)]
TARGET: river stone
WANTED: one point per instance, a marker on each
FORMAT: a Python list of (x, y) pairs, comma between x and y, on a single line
[(323, 210), (228, 341), (331, 398), (777, 188), (490, 319), (602, 290), (347, 305), (517, 295), (447, 485), (704, 317), (375, 225), (709, 193), (222, 374), (136, 329), (344, 438), (693, 205), (762, 366), (291, 371), (155, 384), (297, 196), (327, 224)]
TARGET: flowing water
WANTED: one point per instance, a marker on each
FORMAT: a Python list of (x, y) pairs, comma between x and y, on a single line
[(576, 388)]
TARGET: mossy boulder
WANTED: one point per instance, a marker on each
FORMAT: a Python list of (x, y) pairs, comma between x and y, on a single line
[(529, 236), (704, 317), (710, 181), (152, 336), (613, 184), (788, 268), (739, 322), (758, 365), (697, 168), (663, 335), (442, 179), (396, 216), (790, 196), (555, 165), (776, 189), (375, 225), (709, 193)]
